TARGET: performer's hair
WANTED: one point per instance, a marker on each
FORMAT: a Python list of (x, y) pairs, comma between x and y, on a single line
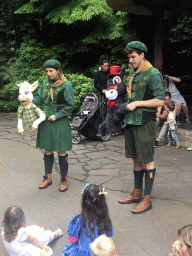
[(128, 50)]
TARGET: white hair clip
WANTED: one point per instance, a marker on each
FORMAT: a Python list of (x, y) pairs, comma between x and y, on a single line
[(102, 191)]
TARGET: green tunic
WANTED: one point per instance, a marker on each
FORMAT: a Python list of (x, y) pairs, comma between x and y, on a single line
[(139, 124), (145, 86), (55, 135)]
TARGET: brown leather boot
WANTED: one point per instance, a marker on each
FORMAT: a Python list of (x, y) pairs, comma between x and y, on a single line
[(64, 184), (144, 205), (46, 182), (134, 197)]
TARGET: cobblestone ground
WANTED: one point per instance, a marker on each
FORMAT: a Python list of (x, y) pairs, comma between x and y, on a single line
[(151, 233)]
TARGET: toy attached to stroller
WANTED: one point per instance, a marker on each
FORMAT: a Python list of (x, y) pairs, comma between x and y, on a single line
[(87, 121)]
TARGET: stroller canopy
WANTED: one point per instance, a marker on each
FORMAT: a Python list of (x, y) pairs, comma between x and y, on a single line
[(90, 103)]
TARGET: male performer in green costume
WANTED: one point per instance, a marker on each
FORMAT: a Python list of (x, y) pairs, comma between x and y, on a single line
[(145, 94)]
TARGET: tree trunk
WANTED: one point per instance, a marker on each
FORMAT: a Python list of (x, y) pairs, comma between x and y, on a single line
[(158, 34)]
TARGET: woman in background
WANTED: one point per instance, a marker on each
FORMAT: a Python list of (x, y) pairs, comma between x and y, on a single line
[(100, 83), (176, 96)]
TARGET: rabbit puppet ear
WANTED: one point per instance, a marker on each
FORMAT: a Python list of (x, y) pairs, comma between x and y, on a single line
[(34, 85)]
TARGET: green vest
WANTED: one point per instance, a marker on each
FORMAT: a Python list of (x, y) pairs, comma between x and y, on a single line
[(51, 107), (140, 91)]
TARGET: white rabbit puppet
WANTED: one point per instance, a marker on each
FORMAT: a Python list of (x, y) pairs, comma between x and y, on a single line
[(29, 115)]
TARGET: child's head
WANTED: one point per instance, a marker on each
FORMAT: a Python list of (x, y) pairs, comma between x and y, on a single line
[(93, 199), (94, 209), (13, 220), (103, 246), (185, 240), (170, 105)]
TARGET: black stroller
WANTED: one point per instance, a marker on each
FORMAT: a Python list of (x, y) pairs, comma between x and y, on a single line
[(87, 121)]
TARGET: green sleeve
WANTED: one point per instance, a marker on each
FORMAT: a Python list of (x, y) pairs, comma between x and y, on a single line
[(37, 99), (69, 101), (156, 85)]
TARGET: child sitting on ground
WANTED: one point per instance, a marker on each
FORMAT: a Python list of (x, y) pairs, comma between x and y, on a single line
[(92, 222), (21, 240), (103, 246), (172, 131)]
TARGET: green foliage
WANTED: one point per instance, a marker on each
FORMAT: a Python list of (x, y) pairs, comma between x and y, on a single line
[(86, 24), (182, 31), (68, 12), (82, 85), (8, 98), (77, 10), (9, 94), (178, 48), (90, 28)]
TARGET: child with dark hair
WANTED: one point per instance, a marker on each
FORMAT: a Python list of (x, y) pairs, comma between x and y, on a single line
[(21, 240), (172, 130), (92, 222)]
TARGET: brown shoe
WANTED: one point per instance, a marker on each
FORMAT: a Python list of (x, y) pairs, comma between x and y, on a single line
[(178, 146), (46, 182), (144, 205), (134, 197), (169, 145), (64, 184)]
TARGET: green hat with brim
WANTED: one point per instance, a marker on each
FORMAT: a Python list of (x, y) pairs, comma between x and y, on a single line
[(52, 64), (138, 46)]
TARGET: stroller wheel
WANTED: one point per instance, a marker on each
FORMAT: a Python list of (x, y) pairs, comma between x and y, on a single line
[(105, 137), (76, 138)]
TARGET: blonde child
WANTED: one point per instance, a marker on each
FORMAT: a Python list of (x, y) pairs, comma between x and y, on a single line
[(183, 246), (21, 240), (172, 130), (103, 246)]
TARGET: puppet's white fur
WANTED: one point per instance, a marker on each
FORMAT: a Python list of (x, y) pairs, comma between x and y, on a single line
[(26, 98)]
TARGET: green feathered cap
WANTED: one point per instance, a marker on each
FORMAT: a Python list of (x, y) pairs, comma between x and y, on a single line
[(138, 45), (52, 64)]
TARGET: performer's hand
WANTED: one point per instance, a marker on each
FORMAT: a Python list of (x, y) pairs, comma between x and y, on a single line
[(21, 133), (104, 91), (131, 106), (52, 118), (165, 122), (33, 129)]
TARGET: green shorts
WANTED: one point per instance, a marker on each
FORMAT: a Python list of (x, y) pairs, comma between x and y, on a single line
[(139, 142)]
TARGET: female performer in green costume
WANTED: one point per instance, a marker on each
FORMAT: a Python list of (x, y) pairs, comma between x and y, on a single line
[(54, 134)]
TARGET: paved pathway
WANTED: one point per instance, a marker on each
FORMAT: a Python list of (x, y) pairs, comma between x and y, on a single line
[(151, 233)]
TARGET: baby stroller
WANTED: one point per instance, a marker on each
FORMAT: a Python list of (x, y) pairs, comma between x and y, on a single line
[(87, 121)]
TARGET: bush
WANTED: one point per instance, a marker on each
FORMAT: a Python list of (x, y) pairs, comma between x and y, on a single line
[(82, 85), (9, 98)]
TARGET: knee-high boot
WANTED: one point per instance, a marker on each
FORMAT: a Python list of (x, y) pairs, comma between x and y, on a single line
[(137, 192), (63, 164), (145, 203), (48, 161)]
